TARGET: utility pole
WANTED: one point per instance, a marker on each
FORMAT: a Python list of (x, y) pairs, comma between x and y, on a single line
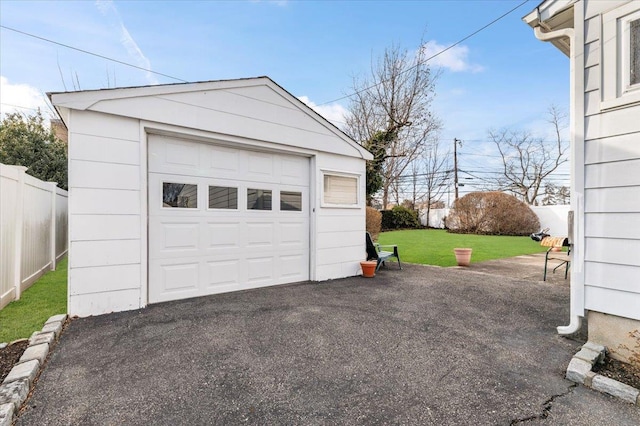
[(456, 141)]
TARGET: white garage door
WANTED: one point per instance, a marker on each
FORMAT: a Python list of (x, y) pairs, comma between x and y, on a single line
[(224, 219)]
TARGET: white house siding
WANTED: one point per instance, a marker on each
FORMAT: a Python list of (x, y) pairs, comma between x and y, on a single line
[(611, 185), (340, 243), (108, 174), (104, 213)]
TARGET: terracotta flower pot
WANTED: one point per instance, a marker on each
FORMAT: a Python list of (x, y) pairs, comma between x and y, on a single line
[(463, 256), (368, 268)]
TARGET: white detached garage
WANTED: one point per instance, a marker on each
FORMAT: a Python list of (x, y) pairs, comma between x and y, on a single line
[(187, 190)]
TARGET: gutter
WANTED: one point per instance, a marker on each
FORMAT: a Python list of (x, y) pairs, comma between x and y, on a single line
[(575, 320)]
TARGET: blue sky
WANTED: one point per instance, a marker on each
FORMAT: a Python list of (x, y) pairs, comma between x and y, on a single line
[(501, 77)]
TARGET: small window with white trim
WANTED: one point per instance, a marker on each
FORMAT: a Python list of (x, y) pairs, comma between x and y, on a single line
[(340, 190), (290, 201), (223, 197), (179, 195), (258, 199), (621, 56)]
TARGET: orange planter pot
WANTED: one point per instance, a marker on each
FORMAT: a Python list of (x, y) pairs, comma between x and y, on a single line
[(463, 256), (368, 268)]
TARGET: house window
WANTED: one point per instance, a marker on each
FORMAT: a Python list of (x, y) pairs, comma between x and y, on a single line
[(179, 195), (291, 201), (634, 52), (621, 56), (340, 190), (223, 197), (258, 199)]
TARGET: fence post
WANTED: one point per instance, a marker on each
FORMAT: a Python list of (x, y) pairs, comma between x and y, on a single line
[(17, 267), (54, 219)]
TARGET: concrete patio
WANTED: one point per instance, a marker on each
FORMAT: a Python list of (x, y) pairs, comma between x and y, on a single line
[(425, 345)]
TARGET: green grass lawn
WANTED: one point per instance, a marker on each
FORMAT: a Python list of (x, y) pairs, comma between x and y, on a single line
[(45, 298), (435, 246)]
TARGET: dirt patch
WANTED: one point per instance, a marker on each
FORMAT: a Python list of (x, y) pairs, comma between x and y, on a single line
[(10, 355), (620, 371)]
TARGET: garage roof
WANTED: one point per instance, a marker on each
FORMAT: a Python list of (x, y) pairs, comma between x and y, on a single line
[(223, 100)]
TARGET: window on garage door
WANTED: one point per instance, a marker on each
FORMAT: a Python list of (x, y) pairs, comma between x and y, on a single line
[(291, 201), (179, 195), (258, 199), (223, 197)]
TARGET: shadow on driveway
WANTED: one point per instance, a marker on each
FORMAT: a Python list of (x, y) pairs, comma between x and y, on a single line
[(424, 345)]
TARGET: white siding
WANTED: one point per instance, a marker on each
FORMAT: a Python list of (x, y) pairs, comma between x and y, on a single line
[(620, 303), (613, 225), (104, 302), (108, 176), (105, 213), (240, 114), (340, 242), (612, 185)]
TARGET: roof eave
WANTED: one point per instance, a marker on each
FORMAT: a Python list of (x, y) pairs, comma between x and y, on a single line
[(552, 15)]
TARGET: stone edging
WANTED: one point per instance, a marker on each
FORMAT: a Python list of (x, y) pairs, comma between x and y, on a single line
[(579, 371), (16, 386)]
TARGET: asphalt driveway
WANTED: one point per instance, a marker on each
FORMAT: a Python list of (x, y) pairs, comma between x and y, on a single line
[(424, 345)]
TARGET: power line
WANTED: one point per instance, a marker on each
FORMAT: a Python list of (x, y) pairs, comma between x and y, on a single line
[(432, 56), (18, 106), (92, 53), (500, 172)]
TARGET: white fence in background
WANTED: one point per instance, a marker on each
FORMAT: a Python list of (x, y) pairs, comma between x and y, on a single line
[(556, 218), (436, 218), (553, 217), (33, 230)]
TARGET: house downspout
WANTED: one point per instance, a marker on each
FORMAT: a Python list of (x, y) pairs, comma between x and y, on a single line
[(575, 320)]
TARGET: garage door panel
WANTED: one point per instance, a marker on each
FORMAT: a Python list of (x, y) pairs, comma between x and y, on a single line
[(259, 234), (181, 154), (225, 245), (180, 236), (224, 162), (174, 280), (293, 234), (173, 238), (260, 270), (290, 266), (223, 273), (224, 235), (181, 276), (295, 171), (260, 167)]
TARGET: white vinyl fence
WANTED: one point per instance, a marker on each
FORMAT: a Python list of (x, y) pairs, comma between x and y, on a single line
[(33, 230), (436, 217), (553, 217)]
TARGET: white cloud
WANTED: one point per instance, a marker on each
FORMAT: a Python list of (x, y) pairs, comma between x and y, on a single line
[(335, 113), (108, 9), (455, 59), (21, 98)]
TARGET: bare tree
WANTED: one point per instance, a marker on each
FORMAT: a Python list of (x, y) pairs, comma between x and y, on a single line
[(527, 160), (395, 100)]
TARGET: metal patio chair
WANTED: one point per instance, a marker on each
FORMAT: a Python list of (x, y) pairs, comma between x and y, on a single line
[(375, 252)]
